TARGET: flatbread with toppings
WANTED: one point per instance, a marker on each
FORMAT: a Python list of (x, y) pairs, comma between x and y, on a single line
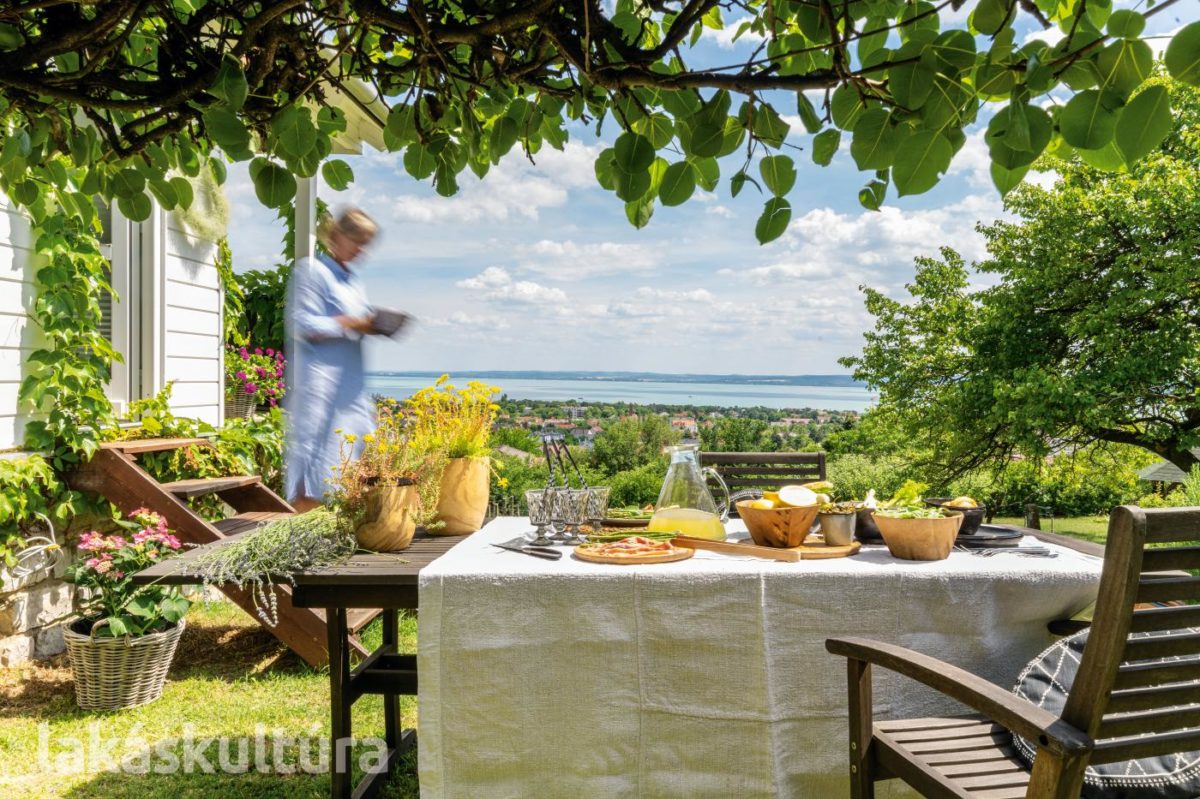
[(633, 549)]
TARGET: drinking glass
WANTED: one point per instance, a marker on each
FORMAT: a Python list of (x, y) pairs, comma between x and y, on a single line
[(541, 506), (572, 506), (597, 507)]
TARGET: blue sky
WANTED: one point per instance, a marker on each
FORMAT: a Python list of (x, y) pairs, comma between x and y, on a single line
[(536, 266)]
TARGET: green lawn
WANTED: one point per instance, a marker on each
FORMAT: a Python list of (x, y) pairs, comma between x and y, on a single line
[(1089, 528), (228, 677)]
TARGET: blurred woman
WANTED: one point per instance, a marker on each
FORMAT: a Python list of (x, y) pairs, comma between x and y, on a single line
[(327, 316)]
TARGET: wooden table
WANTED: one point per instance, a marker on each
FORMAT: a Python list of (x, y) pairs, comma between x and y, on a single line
[(387, 581)]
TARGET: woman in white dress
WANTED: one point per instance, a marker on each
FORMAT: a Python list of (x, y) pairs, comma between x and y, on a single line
[(327, 316)]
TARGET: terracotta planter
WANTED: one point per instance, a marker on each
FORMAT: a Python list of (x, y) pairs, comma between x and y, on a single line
[(919, 539), (463, 499), (390, 520)]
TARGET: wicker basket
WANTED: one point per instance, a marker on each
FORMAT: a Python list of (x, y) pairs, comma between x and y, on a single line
[(240, 406), (116, 673)]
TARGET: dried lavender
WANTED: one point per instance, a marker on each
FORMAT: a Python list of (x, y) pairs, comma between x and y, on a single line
[(273, 554)]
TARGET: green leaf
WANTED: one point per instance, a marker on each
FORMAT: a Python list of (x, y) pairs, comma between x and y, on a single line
[(658, 128), (776, 215), (1107, 158), (846, 106), (631, 186), (1001, 142), (633, 153), (920, 161), (224, 128), (1006, 179), (218, 170), (1144, 123), (991, 15), (504, 135), (164, 192), (808, 114), (401, 129), (230, 85), (825, 145), (1089, 120), (445, 180), (639, 213), (136, 208), (954, 49), (127, 182), (1126, 24), (738, 181), (768, 126), (706, 140), (874, 142), (605, 166), (337, 174), (419, 161), (294, 132), (678, 184), (1124, 66), (778, 173), (872, 195), (708, 173), (183, 191), (274, 185), (26, 192), (1183, 55), (910, 84)]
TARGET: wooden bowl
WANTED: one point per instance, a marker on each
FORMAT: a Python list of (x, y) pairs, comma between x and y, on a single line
[(919, 539), (777, 527)]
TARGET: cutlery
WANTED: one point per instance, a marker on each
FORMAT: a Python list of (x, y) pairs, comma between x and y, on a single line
[(538, 552), (1036, 552)]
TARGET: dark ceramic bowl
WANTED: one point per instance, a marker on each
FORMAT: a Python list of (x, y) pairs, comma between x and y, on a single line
[(972, 517), (865, 529)]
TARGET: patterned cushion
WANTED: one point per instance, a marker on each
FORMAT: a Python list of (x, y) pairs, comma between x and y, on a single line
[(1046, 682)]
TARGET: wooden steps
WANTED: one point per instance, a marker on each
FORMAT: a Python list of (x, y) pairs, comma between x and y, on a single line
[(115, 474), (203, 486)]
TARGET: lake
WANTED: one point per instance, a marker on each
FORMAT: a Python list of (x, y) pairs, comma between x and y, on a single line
[(729, 395)]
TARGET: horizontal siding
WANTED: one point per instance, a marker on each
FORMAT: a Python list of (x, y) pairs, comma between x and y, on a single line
[(192, 347), (194, 370), (19, 335)]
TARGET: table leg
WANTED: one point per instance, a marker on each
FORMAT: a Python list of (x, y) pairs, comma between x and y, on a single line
[(339, 704), (391, 702)]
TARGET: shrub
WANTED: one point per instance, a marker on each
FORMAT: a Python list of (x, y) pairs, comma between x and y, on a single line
[(854, 475)]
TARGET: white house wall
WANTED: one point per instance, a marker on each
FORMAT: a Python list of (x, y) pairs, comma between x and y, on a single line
[(192, 340), (19, 336)]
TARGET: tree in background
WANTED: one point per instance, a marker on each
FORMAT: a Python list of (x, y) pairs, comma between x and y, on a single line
[(1091, 333), (629, 443), (738, 435)]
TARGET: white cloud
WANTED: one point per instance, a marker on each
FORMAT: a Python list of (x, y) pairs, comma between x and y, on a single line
[(974, 161), (724, 38), (497, 285), (569, 260), (515, 188), (694, 295), (721, 211)]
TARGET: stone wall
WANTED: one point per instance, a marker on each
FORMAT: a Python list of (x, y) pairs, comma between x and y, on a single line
[(31, 612)]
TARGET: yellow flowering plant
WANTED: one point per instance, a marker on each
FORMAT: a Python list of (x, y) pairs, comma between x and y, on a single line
[(393, 454), (459, 421)]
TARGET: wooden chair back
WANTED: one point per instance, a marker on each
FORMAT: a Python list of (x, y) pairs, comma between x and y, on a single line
[(765, 470), (1132, 706)]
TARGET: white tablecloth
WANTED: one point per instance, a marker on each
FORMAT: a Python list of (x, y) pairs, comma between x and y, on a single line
[(702, 678)]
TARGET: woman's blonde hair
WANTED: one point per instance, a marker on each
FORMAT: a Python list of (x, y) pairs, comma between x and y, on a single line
[(353, 223)]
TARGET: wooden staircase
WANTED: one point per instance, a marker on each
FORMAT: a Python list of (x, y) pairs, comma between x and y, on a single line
[(115, 474)]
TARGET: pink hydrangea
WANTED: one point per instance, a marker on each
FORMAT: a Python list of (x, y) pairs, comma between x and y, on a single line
[(241, 374), (270, 351), (251, 388), (258, 351), (103, 567)]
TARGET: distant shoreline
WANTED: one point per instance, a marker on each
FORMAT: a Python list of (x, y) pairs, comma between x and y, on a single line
[(836, 381)]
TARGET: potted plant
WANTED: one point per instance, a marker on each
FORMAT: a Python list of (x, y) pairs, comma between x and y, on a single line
[(252, 378), (122, 644), (386, 483), (460, 422)]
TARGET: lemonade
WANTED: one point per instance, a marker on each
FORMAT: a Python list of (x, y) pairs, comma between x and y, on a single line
[(687, 521)]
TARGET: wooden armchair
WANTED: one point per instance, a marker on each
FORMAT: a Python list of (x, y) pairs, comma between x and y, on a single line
[(1124, 704)]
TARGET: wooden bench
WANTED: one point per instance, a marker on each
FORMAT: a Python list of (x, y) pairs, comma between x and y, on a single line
[(743, 471)]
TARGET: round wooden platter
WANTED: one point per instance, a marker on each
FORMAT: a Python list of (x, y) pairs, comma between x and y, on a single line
[(678, 553)]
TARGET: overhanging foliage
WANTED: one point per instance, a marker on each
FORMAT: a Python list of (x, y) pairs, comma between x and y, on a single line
[(122, 98)]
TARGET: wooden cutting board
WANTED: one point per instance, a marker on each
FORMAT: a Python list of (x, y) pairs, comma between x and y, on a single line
[(678, 553), (813, 548)]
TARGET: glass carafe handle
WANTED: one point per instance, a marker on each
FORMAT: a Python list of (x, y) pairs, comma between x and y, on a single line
[(710, 472)]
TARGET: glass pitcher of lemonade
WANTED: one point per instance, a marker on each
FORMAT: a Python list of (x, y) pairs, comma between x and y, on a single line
[(685, 504)]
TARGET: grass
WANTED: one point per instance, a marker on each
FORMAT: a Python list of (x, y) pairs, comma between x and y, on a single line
[(1089, 528), (228, 677)]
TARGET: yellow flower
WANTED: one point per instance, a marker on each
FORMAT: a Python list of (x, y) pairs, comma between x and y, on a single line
[(368, 438), (351, 438), (502, 482)]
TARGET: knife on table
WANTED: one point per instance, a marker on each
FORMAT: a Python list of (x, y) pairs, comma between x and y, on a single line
[(537, 552)]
